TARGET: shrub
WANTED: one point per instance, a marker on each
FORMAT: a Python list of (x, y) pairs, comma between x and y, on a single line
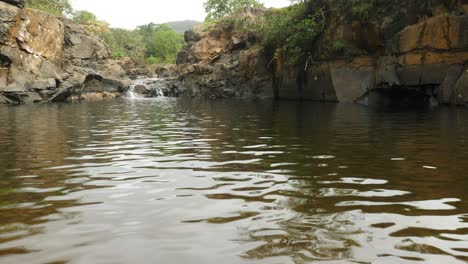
[(54, 7), (361, 9), (291, 31)]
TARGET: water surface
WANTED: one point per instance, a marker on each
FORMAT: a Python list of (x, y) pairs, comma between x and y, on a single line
[(189, 181)]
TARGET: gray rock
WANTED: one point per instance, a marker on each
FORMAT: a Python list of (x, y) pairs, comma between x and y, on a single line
[(42, 84), (351, 84), (141, 89), (461, 89), (191, 36), (3, 100), (445, 92), (386, 73)]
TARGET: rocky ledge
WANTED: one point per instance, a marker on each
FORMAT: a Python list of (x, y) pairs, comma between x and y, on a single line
[(401, 55), (46, 58)]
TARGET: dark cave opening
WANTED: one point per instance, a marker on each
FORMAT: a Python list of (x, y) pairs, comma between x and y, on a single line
[(396, 98)]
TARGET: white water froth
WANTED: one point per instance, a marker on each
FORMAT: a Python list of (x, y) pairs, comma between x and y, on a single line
[(132, 94)]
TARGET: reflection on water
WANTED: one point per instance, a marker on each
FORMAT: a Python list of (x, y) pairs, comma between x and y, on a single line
[(175, 181)]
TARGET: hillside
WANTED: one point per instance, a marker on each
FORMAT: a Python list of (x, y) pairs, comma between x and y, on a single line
[(182, 26)]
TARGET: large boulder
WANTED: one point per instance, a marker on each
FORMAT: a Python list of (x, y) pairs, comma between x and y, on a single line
[(44, 58), (444, 32), (80, 45), (191, 36)]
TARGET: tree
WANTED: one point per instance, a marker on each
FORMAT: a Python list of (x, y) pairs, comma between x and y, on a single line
[(217, 9), (126, 43), (84, 17), (165, 45), (54, 7)]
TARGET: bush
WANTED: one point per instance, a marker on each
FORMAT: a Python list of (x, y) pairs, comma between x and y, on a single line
[(290, 31), (54, 7), (361, 9), (338, 47), (217, 9)]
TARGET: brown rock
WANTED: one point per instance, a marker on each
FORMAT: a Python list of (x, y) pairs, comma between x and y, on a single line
[(41, 34), (442, 32)]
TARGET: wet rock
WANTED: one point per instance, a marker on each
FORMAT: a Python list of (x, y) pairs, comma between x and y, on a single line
[(141, 89), (461, 88), (94, 96), (446, 91), (386, 72), (353, 80)]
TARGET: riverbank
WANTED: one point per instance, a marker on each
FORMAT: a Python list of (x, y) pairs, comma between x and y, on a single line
[(400, 54)]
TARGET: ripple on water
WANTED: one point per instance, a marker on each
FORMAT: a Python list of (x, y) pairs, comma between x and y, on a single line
[(211, 182)]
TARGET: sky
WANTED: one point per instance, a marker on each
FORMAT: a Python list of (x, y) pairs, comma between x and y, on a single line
[(129, 14)]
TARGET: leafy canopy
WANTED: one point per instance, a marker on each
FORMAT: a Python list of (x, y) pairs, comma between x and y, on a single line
[(83, 17), (54, 7), (217, 9)]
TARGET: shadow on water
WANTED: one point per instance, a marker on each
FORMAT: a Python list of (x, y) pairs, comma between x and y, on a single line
[(172, 180)]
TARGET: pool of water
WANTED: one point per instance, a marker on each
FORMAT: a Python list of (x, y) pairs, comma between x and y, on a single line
[(194, 181)]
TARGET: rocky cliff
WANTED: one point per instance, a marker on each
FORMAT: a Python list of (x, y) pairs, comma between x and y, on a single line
[(46, 58), (222, 61), (400, 54)]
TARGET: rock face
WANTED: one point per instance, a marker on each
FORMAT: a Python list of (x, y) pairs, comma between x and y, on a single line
[(223, 63), (398, 52), (45, 58), (387, 58)]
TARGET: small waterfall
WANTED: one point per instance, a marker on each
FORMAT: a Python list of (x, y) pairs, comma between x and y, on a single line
[(142, 88), (131, 94)]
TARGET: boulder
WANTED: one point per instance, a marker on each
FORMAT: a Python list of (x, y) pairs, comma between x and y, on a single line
[(43, 84), (191, 36), (443, 32), (207, 48), (81, 46)]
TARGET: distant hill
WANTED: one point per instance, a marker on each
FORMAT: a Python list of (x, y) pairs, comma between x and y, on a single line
[(182, 26)]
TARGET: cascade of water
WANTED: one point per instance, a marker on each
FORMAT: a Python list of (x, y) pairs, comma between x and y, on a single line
[(133, 93)]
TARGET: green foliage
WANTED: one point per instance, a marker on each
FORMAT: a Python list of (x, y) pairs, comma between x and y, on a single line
[(84, 17), (361, 9), (161, 42), (291, 31), (338, 47), (125, 43), (54, 7), (427, 3), (148, 44), (217, 9)]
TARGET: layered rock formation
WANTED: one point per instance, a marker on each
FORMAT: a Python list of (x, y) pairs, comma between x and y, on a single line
[(399, 54), (223, 62), (46, 58)]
